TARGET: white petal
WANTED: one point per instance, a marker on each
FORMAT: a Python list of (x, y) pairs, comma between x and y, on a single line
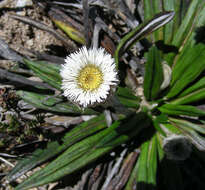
[(73, 65)]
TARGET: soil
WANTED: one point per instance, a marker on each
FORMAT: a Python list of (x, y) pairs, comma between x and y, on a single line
[(21, 36)]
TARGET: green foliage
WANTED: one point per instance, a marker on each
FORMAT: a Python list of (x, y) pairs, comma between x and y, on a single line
[(51, 103), (153, 74), (172, 106)]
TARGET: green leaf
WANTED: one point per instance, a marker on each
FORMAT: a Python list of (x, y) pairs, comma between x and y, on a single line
[(170, 129), (47, 72), (126, 93), (188, 67), (162, 118), (196, 139), (147, 164), (159, 147), (141, 120), (68, 162), (158, 120), (187, 59), (77, 156), (51, 103), (170, 28), (142, 174), (190, 98), (193, 136), (129, 103), (197, 127), (152, 161), (140, 32), (157, 126), (54, 148), (150, 9), (197, 86), (182, 35), (172, 109), (187, 23), (127, 98), (199, 22), (153, 74)]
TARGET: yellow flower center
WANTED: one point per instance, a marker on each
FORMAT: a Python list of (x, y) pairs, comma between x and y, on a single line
[(90, 77)]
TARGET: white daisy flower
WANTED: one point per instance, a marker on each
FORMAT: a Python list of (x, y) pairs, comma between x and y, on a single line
[(88, 76)]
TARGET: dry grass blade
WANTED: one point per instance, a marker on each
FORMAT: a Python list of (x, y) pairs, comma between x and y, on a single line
[(123, 11), (81, 184), (45, 28), (17, 78), (48, 57), (105, 27), (121, 178), (86, 21), (79, 6), (96, 32), (97, 176), (7, 155), (114, 170), (8, 53)]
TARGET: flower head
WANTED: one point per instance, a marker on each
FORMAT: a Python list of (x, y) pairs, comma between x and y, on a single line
[(88, 76)]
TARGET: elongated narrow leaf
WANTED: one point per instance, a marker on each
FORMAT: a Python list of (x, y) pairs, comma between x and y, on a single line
[(50, 103), (193, 136), (152, 8), (158, 127), (187, 59), (173, 25), (187, 69), (148, 10), (198, 25), (152, 161), (128, 102), (161, 153), (197, 127), (78, 151), (126, 93), (196, 139), (142, 174), (77, 156), (170, 129), (153, 74), (147, 164), (186, 27), (157, 8), (141, 120), (157, 121), (190, 98), (197, 86), (47, 72), (141, 31), (127, 98), (187, 23), (54, 148), (172, 109)]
